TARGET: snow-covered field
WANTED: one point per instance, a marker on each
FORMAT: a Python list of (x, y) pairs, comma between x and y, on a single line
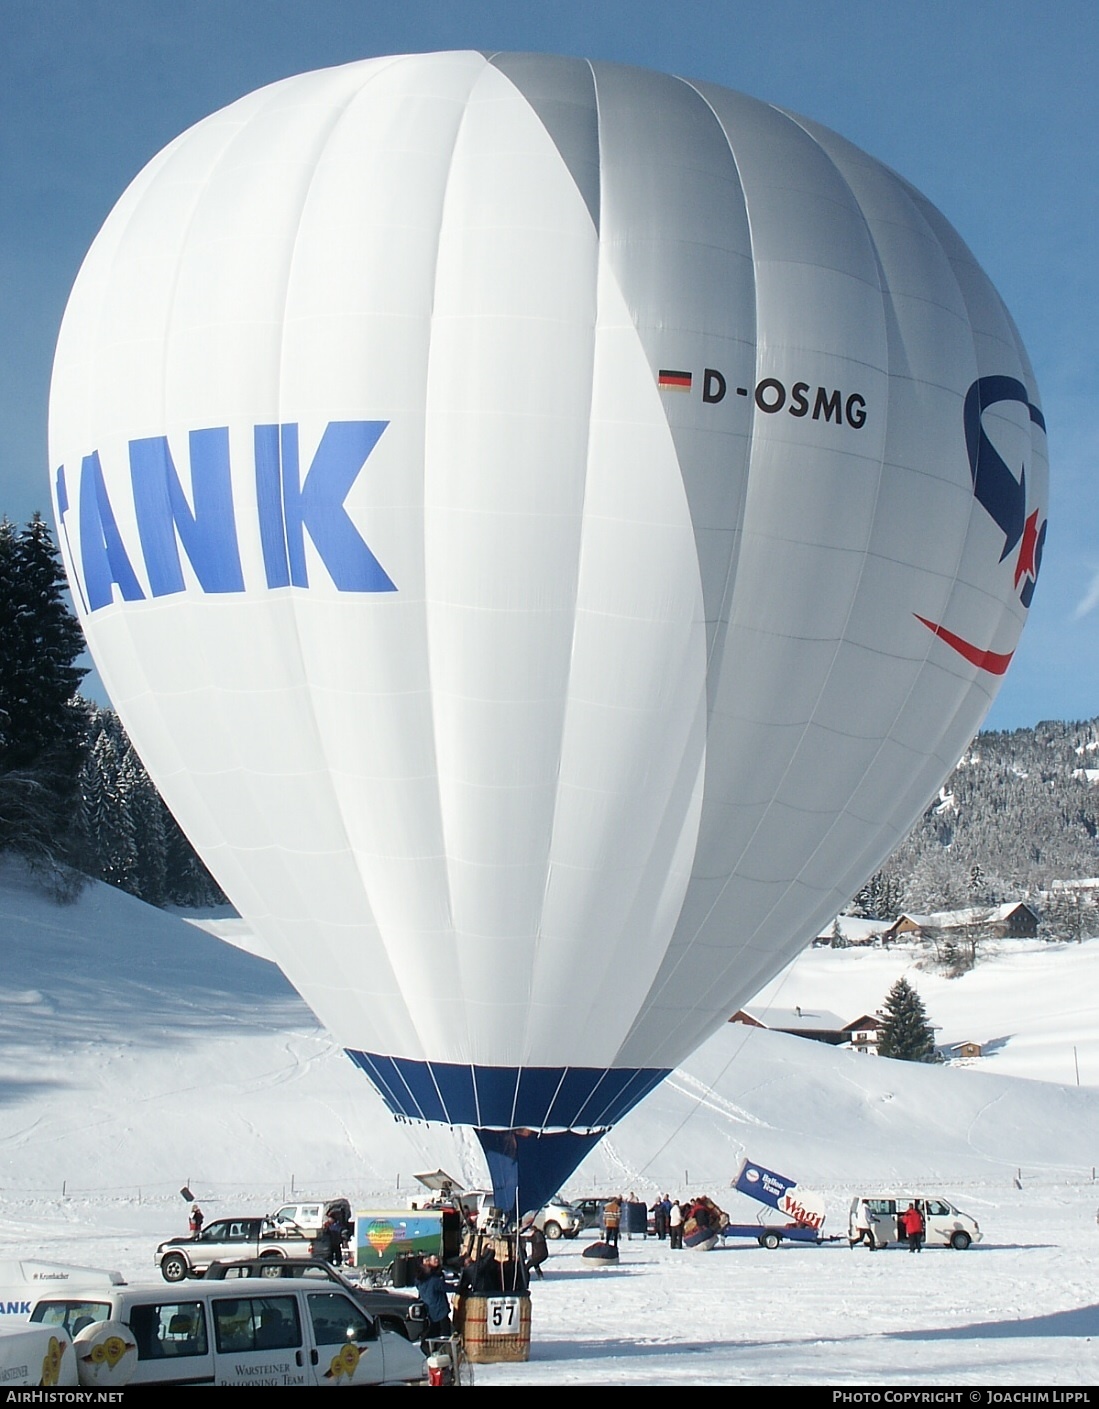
[(139, 1053), (1033, 1006)]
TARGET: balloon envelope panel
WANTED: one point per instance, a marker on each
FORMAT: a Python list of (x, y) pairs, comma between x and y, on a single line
[(548, 528)]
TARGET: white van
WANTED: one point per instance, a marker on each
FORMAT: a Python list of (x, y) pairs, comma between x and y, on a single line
[(307, 1331), (944, 1225)]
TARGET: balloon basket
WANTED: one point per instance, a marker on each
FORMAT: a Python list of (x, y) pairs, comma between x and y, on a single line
[(494, 1328)]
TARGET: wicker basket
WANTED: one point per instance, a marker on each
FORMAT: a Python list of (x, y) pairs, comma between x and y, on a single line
[(494, 1329)]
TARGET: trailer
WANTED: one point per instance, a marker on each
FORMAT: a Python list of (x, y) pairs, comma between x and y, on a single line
[(770, 1235), (35, 1356), (803, 1209), (384, 1236)]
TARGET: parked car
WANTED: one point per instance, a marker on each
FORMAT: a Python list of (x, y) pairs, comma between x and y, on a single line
[(229, 1332), (227, 1240), (559, 1219), (394, 1310), (944, 1225)]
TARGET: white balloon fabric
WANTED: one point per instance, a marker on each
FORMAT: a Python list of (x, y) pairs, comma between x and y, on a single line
[(548, 529)]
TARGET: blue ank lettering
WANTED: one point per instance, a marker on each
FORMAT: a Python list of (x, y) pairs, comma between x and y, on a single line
[(204, 527)]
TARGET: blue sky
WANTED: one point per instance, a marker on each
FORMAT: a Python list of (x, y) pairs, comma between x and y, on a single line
[(989, 107)]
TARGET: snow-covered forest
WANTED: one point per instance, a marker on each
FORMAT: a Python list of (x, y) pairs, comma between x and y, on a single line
[(1019, 814), (75, 800)]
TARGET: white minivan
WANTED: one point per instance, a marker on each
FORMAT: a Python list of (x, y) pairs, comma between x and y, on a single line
[(944, 1225), (305, 1331)]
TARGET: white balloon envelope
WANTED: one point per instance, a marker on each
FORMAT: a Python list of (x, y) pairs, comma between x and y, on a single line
[(548, 529)]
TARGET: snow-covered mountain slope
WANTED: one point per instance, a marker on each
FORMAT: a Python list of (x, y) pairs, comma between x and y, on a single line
[(137, 1050)]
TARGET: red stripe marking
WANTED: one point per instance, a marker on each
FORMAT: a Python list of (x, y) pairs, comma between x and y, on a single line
[(991, 661)]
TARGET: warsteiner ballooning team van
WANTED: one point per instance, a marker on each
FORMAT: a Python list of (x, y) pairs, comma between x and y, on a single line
[(262, 1331)]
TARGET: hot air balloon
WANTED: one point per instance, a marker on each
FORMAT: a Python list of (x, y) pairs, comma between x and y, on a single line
[(548, 528)]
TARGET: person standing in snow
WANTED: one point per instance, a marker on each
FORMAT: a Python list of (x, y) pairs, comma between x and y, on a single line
[(863, 1226), (194, 1223), (431, 1289), (612, 1215), (535, 1247), (327, 1244), (675, 1225), (913, 1224), (629, 1215)]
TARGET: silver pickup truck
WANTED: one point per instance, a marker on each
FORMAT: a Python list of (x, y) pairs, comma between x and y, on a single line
[(229, 1240)]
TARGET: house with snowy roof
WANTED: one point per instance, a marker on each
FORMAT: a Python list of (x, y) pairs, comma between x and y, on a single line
[(853, 930), (962, 1050), (1014, 920), (817, 1024)]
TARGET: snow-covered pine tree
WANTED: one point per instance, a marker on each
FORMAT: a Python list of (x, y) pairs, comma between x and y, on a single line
[(127, 836), (112, 838), (905, 1033), (144, 804), (42, 720), (1068, 915), (91, 801), (188, 881), (881, 898)]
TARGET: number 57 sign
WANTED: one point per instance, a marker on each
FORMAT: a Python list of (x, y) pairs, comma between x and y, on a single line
[(502, 1316)]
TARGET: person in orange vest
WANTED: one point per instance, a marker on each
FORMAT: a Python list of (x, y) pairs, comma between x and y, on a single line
[(612, 1215)]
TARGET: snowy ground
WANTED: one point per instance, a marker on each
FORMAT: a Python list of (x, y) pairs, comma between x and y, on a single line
[(1021, 1308), (138, 1053)]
